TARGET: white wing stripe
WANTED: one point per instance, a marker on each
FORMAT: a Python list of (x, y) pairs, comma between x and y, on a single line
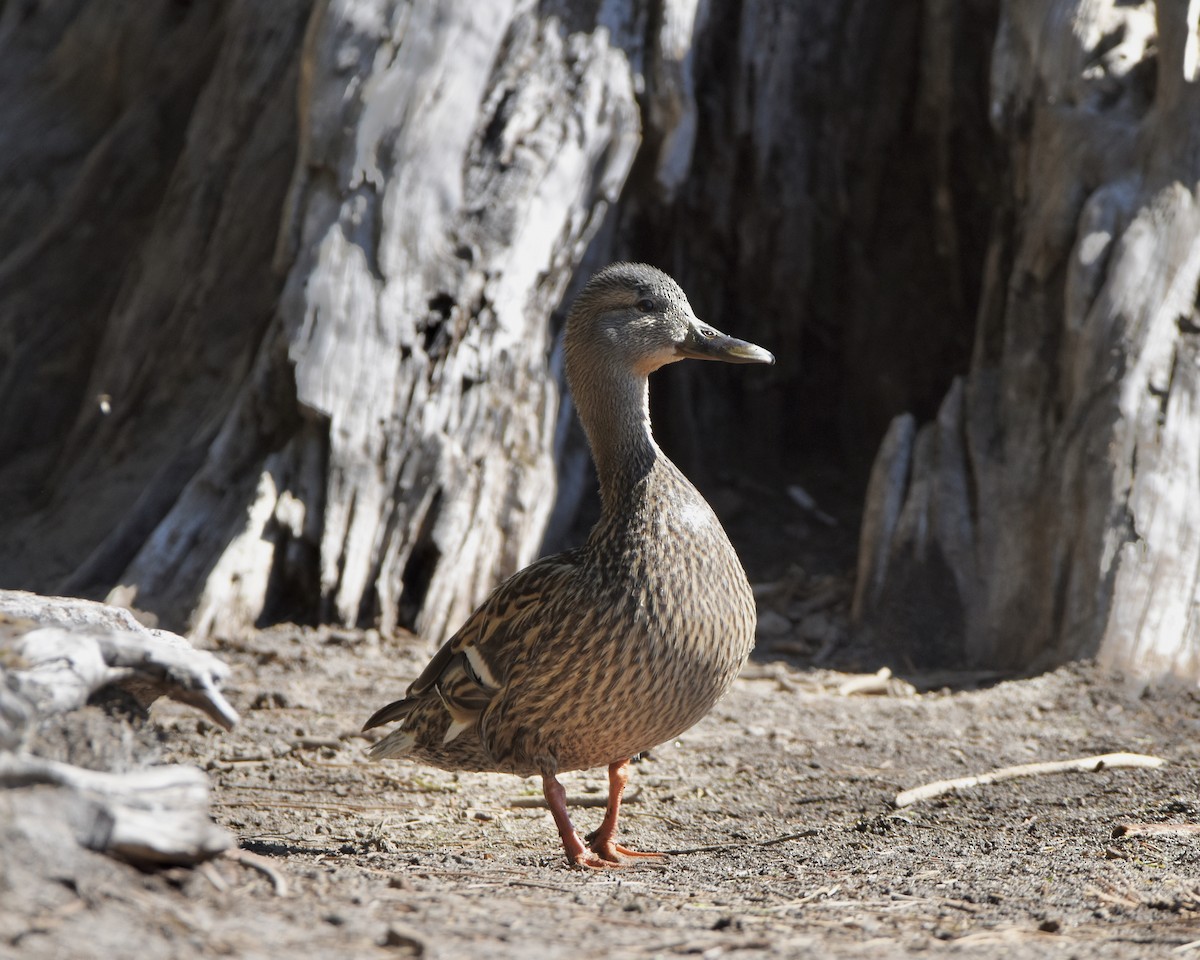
[(480, 668)]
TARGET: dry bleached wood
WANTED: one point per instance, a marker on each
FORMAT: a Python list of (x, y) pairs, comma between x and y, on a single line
[(262, 865), (154, 816), (1156, 829), (1105, 761), (453, 162), (55, 653), (879, 683), (77, 647), (1050, 511)]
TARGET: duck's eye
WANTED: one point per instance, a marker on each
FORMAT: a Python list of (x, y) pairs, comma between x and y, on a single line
[(646, 305)]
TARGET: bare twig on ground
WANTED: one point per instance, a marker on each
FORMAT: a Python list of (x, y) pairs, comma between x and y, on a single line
[(783, 677), (262, 865), (1148, 829), (880, 683), (213, 876), (1009, 935), (317, 743), (1080, 765), (1111, 894), (599, 800), (770, 842)]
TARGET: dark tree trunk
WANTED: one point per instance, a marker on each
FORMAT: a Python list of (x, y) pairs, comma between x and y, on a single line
[(146, 153)]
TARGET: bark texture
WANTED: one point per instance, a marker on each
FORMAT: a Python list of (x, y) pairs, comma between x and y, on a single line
[(453, 162), (365, 433), (146, 153), (1051, 510)]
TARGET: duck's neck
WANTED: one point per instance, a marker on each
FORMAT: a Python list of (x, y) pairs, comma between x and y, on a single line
[(615, 413)]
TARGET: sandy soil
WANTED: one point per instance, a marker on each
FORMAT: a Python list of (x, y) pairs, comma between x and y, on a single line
[(776, 811)]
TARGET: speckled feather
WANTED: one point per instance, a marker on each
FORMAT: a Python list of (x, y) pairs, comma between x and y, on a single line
[(591, 656)]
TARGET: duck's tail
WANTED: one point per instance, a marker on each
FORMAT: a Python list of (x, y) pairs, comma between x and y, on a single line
[(398, 743)]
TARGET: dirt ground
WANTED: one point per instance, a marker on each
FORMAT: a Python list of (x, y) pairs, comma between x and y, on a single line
[(776, 813)]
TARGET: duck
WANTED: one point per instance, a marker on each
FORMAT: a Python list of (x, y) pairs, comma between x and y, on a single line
[(590, 657)]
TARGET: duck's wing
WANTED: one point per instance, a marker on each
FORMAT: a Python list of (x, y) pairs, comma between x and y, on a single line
[(472, 667)]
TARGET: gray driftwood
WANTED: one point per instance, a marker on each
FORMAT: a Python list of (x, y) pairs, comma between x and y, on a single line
[(1051, 508), (59, 651), (55, 654), (154, 816)]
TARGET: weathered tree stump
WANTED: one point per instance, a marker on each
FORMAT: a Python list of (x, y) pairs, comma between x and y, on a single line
[(1053, 508), (378, 447), (310, 373)]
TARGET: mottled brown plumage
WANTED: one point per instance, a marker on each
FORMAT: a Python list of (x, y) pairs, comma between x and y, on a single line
[(589, 657)]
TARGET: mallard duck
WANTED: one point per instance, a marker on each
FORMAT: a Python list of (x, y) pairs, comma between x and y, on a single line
[(590, 657)]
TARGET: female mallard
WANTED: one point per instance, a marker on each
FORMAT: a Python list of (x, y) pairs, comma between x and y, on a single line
[(591, 656)]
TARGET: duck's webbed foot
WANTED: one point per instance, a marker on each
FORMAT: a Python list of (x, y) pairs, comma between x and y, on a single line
[(611, 853), (601, 841)]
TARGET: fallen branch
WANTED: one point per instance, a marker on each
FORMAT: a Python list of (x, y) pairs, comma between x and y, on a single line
[(597, 800), (880, 683), (772, 841), (1078, 765), (158, 815), (262, 865), (59, 651), (1153, 829)]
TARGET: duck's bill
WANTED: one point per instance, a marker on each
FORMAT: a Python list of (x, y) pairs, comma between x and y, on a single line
[(710, 344)]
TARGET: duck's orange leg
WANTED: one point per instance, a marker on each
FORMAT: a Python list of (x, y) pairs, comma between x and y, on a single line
[(577, 854), (601, 841)]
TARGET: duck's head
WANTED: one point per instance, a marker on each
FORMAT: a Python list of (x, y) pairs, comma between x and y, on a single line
[(636, 316)]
